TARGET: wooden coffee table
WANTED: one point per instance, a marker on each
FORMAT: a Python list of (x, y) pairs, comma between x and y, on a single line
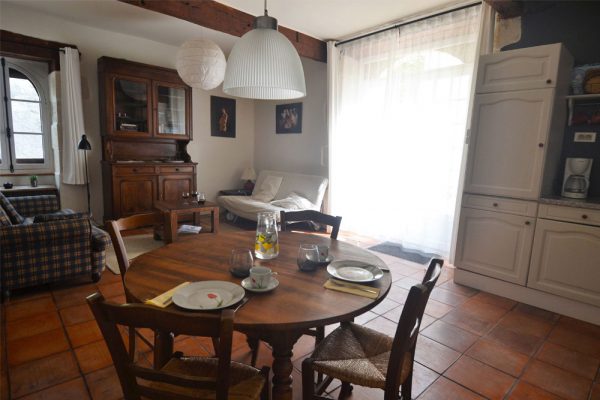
[(172, 209)]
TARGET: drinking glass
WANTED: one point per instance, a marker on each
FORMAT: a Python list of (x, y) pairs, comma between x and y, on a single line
[(185, 196), (308, 257), (201, 197), (240, 262)]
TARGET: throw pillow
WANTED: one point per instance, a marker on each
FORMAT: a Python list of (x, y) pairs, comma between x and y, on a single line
[(294, 202), (11, 211), (268, 189), (4, 220)]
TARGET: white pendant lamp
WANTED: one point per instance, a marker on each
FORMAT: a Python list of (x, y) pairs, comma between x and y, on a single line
[(201, 63), (264, 64)]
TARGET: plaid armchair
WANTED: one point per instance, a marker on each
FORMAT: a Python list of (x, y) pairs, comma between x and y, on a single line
[(39, 243)]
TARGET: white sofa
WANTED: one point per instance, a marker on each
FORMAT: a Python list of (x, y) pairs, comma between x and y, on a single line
[(295, 192)]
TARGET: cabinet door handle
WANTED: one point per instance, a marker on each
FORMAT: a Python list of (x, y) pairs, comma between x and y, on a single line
[(548, 81), (495, 204), (584, 216), (177, 169), (134, 169), (527, 222), (540, 145)]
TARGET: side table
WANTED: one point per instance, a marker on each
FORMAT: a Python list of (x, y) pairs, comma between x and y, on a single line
[(172, 209)]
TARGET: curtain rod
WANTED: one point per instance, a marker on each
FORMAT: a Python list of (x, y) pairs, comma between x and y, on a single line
[(396, 26)]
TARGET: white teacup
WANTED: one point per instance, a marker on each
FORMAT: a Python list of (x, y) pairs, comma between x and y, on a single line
[(260, 277)]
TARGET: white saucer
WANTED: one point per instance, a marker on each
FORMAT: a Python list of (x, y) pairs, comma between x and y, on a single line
[(247, 284)]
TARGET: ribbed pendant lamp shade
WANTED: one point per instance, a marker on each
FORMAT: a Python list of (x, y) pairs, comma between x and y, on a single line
[(264, 65)]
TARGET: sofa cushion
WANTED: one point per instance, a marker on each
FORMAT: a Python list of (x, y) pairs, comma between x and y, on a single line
[(311, 187), (267, 189), (10, 210)]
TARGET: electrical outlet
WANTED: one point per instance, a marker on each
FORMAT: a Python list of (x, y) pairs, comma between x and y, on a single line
[(588, 137)]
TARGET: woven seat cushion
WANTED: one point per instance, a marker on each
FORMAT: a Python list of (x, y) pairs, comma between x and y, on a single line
[(245, 381), (359, 355)]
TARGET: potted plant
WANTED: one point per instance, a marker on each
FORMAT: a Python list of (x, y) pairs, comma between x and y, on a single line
[(34, 180)]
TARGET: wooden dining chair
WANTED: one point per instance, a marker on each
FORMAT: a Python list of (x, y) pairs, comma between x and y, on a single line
[(358, 355), (179, 377), (316, 217), (114, 228)]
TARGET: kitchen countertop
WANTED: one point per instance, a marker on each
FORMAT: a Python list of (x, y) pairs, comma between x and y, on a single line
[(593, 203)]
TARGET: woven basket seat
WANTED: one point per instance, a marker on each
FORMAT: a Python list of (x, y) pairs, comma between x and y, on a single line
[(245, 381), (354, 353)]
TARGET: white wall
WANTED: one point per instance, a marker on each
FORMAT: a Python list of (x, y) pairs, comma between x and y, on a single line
[(220, 160), (302, 153)]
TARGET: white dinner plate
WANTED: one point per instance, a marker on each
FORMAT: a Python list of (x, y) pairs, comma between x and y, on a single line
[(354, 271), (247, 284), (208, 295)]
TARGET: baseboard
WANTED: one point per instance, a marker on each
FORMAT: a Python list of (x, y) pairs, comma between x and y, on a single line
[(533, 297)]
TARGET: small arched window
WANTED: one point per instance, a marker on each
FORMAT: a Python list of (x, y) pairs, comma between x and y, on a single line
[(26, 115), (27, 148)]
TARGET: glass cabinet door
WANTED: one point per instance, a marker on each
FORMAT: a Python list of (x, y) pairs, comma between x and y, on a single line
[(131, 101), (171, 106)]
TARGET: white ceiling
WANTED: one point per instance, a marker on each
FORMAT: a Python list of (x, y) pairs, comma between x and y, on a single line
[(323, 19)]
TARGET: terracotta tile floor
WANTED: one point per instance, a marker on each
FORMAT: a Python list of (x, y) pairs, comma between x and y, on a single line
[(473, 345)]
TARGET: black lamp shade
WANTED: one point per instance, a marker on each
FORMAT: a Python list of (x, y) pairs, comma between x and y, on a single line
[(84, 144)]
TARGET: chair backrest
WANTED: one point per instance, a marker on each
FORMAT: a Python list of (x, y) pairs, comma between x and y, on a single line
[(114, 229), (135, 379), (314, 216), (405, 340)]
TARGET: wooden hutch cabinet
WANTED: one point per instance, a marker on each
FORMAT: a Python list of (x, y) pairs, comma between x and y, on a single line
[(146, 125)]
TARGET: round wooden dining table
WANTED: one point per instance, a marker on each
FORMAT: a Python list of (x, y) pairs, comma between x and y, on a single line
[(278, 317)]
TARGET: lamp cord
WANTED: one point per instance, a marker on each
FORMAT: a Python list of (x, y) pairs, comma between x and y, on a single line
[(266, 11)]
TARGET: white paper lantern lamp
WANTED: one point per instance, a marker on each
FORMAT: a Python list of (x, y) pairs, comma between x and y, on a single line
[(201, 64)]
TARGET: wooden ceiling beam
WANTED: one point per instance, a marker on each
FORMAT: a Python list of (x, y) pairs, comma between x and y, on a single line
[(219, 17)]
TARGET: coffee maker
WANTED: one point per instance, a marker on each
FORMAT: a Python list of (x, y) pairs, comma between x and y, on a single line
[(577, 178)]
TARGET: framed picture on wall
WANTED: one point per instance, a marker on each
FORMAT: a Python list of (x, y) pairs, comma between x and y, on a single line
[(288, 118), (222, 117)]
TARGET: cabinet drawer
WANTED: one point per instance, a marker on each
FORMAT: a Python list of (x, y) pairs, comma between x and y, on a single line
[(509, 206), (131, 170), (173, 169), (570, 214), (529, 68)]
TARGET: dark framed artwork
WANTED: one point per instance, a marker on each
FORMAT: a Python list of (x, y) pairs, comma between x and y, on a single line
[(222, 117), (288, 118)]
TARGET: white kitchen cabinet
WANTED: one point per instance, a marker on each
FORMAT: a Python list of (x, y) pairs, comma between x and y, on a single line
[(566, 260), (509, 133), (529, 68), (495, 244)]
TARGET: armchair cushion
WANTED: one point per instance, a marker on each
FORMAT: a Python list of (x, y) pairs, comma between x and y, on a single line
[(60, 216), (100, 239), (10, 210), (30, 206), (4, 219)]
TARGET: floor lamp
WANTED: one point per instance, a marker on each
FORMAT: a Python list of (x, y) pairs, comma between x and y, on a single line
[(86, 146)]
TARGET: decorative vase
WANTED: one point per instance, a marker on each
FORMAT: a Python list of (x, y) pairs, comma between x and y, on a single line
[(267, 240)]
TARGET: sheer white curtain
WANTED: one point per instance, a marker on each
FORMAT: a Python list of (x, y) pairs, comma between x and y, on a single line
[(72, 117), (397, 129)]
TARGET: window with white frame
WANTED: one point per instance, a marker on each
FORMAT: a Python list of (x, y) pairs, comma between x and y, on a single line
[(25, 114)]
